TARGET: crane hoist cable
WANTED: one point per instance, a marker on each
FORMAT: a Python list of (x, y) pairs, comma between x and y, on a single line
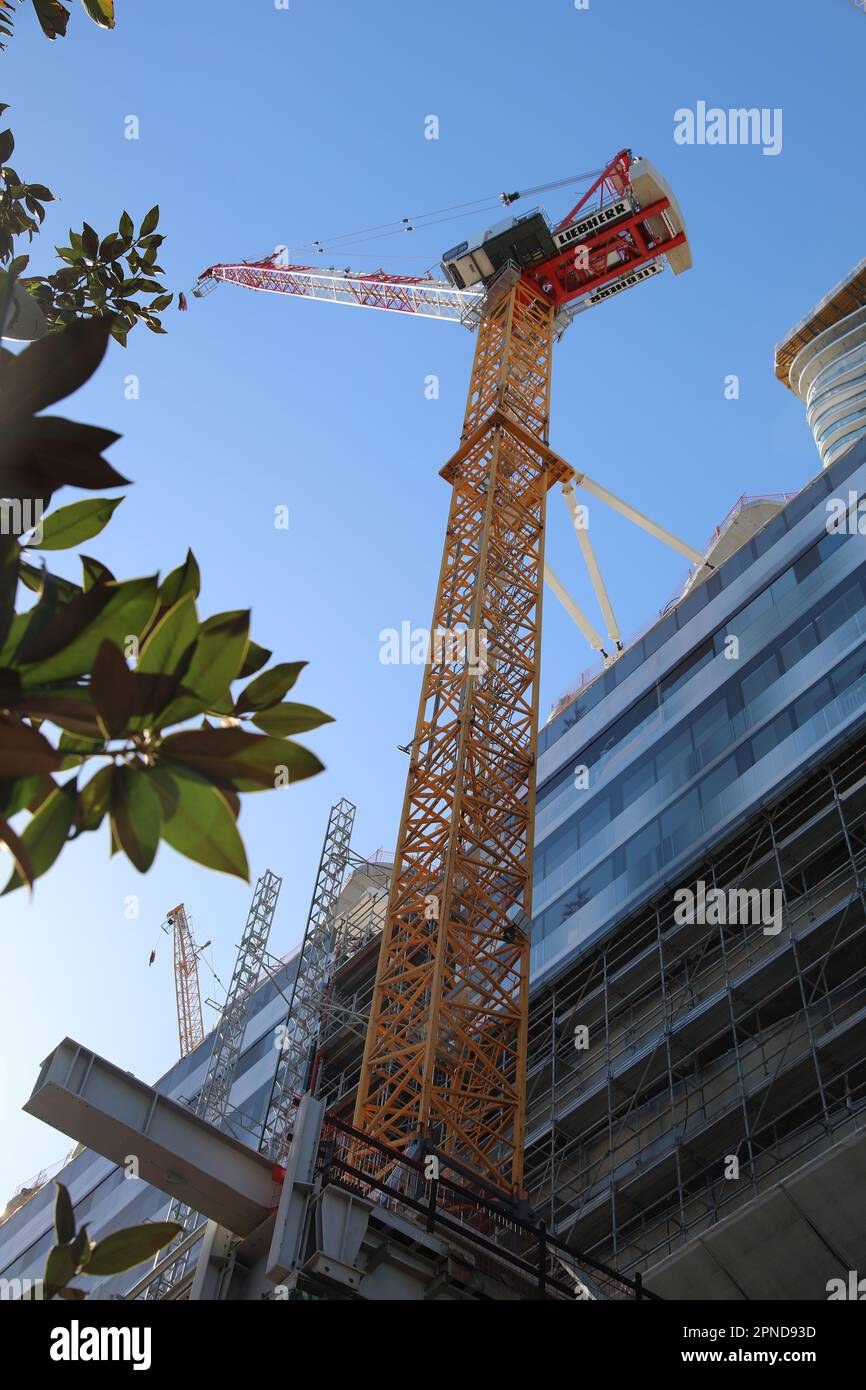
[(438, 215)]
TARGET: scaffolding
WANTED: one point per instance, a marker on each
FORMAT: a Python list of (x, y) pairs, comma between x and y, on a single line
[(708, 1043), (212, 1101), (301, 1025)]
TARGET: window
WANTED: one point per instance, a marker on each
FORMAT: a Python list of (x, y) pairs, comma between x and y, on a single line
[(760, 678), (849, 602), (811, 703), (637, 780), (770, 737), (798, 645), (716, 781)]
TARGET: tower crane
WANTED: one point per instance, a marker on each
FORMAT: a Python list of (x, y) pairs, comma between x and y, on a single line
[(190, 1027), (445, 1056)]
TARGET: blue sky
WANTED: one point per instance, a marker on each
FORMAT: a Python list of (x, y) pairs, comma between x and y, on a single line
[(261, 126)]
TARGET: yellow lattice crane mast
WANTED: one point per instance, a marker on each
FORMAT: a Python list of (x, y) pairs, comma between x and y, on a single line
[(190, 1027), (444, 1063)]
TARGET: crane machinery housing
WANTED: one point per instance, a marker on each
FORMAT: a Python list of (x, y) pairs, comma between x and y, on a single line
[(445, 1056)]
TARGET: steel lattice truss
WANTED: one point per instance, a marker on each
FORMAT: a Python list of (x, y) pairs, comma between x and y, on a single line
[(213, 1098), (315, 966), (445, 1055), (406, 294), (190, 1027)]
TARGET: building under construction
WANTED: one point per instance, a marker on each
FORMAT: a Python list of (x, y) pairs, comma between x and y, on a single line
[(457, 1090), (690, 1079)]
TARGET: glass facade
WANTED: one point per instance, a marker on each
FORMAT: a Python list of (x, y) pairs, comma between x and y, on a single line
[(732, 694)]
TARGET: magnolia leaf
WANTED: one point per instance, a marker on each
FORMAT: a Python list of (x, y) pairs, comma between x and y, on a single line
[(64, 1217), (45, 835), (199, 821), (24, 752), (185, 579), (270, 687), (76, 523), (171, 639), (93, 800), (101, 12), (239, 761), (218, 657), (129, 1247), (136, 815), (52, 368), (12, 841), (287, 719)]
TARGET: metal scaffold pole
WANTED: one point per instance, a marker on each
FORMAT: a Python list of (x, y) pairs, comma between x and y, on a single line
[(212, 1101), (315, 965)]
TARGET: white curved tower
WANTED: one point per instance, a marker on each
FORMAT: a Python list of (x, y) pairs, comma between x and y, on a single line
[(823, 361)]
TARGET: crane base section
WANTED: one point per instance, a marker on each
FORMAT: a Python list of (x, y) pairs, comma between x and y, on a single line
[(348, 1217)]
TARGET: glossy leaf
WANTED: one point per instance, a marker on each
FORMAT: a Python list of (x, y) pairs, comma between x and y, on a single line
[(186, 579), (20, 857), (136, 815), (129, 1247), (76, 523), (101, 12), (199, 821), (237, 760), (288, 719), (270, 687), (93, 800), (64, 1216), (172, 638), (45, 835), (24, 752)]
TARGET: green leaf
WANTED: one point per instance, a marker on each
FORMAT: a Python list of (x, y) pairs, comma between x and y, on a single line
[(127, 701), (90, 242), (285, 720), (7, 145), (199, 821), (171, 639), (136, 815), (76, 523), (101, 12), (130, 1247), (269, 688), (64, 1216), (93, 571), (93, 800), (53, 17), (255, 659), (59, 1267), (52, 368), (186, 579), (14, 796), (149, 222), (45, 835), (24, 752), (69, 643), (68, 706), (21, 858), (218, 657), (236, 760)]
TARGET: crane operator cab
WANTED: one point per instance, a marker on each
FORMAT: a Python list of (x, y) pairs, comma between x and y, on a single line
[(532, 239)]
